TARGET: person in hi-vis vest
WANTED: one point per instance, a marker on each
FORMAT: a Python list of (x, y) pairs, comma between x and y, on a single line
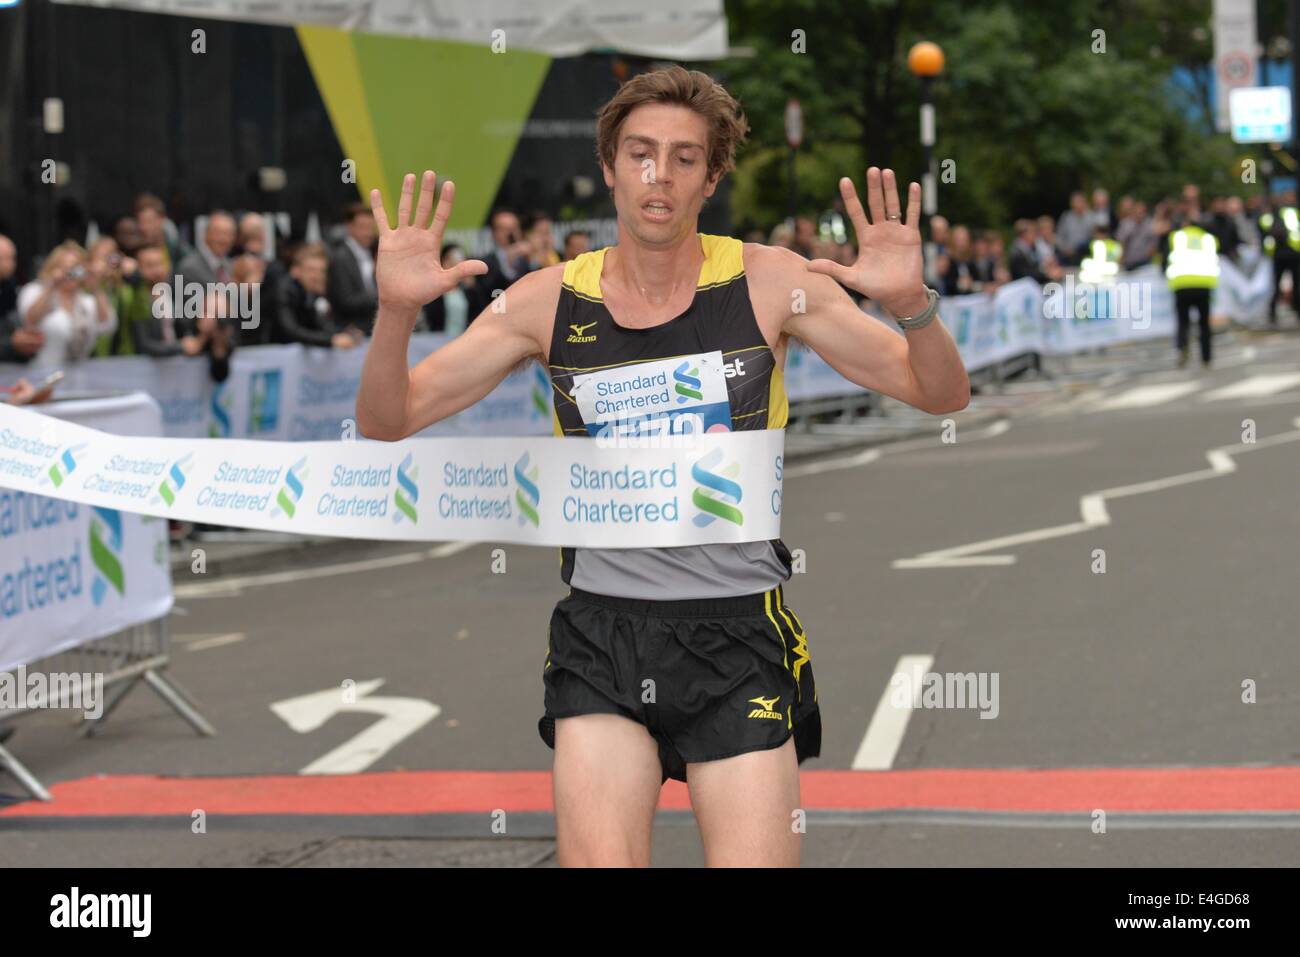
[(1192, 268), (1281, 232), (1102, 264)]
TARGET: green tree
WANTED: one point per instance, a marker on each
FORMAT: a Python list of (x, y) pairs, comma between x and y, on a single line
[(1035, 100)]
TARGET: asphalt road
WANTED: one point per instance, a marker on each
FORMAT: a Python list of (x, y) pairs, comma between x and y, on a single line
[(1119, 693)]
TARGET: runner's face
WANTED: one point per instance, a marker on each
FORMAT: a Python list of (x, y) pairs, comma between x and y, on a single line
[(660, 177)]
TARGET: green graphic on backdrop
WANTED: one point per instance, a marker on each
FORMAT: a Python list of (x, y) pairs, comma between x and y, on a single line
[(404, 104)]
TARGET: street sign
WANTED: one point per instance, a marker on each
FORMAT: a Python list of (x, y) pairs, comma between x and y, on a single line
[(1234, 53), (1261, 114)]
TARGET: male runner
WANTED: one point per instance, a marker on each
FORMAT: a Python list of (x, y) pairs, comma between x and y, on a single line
[(671, 662)]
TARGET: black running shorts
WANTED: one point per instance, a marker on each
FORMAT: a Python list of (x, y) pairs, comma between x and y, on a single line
[(709, 678)]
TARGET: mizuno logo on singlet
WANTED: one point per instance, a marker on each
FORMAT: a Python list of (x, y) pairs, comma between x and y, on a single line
[(765, 706), (577, 334)]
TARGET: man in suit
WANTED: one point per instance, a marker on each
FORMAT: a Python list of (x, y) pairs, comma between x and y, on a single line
[(159, 332), (303, 313), (508, 259), (1024, 259), (351, 289), (210, 260)]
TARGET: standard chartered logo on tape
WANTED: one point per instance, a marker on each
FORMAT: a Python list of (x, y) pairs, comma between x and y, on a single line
[(717, 493), (714, 487), (528, 495), (174, 481), (65, 466), (407, 493)]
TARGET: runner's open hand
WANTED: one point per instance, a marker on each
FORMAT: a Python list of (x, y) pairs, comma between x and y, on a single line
[(408, 270), (889, 265)]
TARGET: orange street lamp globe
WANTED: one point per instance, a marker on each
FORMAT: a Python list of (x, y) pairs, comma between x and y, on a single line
[(925, 59)]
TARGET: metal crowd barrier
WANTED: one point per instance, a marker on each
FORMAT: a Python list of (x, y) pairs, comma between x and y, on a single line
[(126, 658)]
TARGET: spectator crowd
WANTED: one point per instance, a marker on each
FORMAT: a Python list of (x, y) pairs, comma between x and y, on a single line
[(132, 292), (143, 290)]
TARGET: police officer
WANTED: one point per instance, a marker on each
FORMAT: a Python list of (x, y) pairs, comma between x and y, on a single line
[(1281, 233), (1102, 263), (1192, 268)]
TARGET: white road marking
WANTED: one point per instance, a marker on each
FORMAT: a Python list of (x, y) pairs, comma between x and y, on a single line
[(867, 456), (226, 587), (831, 465), (402, 718), (1144, 396), (1256, 385), (1244, 357), (215, 641), (885, 733), (1092, 506)]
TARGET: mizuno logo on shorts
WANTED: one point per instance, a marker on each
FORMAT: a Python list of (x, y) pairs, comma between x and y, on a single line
[(765, 706)]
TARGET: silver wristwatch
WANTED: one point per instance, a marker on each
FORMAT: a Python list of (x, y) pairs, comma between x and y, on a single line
[(922, 318)]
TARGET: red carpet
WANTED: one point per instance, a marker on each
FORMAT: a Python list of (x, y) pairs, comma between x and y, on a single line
[(1115, 790)]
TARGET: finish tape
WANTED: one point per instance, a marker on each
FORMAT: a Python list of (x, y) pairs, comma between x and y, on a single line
[(699, 488)]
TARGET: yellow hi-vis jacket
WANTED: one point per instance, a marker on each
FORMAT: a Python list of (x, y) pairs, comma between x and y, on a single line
[(1193, 259), (1102, 264), (1290, 220)]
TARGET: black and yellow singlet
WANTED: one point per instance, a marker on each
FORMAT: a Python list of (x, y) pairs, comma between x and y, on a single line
[(710, 365)]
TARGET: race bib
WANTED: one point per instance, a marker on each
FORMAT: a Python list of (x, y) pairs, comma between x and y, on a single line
[(667, 396)]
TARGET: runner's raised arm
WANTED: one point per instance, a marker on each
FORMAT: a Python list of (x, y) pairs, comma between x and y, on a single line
[(394, 400)]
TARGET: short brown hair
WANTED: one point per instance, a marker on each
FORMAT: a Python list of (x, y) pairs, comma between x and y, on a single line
[(310, 251), (676, 85), (149, 201)]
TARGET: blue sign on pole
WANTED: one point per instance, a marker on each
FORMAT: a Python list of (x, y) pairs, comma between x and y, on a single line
[(1260, 114)]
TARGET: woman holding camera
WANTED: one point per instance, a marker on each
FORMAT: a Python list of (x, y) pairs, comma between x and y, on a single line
[(67, 303)]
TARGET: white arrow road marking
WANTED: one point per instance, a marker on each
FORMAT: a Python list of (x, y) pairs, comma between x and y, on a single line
[(1147, 395), (1093, 509), (1256, 385), (402, 718), (888, 725)]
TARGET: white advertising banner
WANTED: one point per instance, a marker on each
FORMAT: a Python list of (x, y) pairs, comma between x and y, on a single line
[(1078, 316), (298, 393), (673, 29), (964, 316), (291, 393), (808, 376), (697, 488), (1243, 295), (70, 571)]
